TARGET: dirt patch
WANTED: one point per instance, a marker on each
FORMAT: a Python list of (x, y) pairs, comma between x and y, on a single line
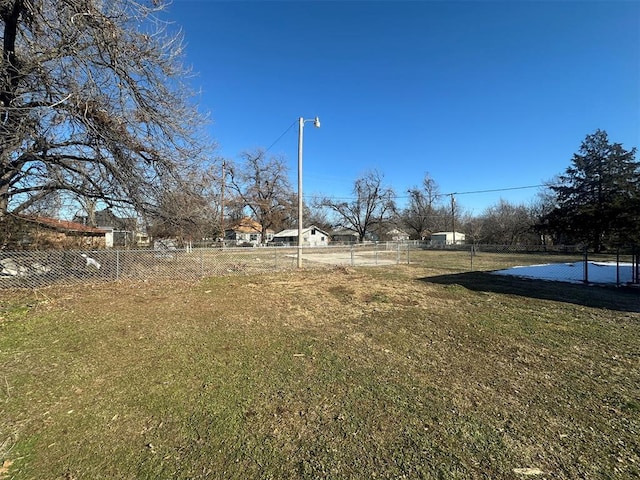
[(360, 259)]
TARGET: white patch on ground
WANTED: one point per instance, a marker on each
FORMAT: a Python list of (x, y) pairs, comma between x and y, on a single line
[(598, 272), (528, 471), (360, 259)]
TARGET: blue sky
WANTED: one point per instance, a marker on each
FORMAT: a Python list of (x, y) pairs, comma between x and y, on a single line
[(483, 95)]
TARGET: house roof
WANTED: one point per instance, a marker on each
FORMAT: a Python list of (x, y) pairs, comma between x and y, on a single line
[(447, 233), (106, 218), (246, 225), (293, 232), (64, 225), (345, 232)]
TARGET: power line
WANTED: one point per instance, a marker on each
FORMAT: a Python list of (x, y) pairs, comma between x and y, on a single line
[(408, 196), (282, 135), (492, 190), (441, 194)]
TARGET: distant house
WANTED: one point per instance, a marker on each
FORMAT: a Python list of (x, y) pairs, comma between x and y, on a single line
[(396, 235), (121, 231), (106, 218), (142, 239), (447, 238), (34, 233), (345, 235), (311, 237), (245, 232)]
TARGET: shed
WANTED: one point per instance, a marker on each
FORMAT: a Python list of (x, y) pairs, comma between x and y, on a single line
[(447, 238)]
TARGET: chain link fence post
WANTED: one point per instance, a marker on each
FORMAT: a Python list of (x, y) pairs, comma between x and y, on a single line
[(585, 278), (117, 264)]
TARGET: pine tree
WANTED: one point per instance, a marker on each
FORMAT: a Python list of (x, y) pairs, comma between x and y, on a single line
[(598, 196)]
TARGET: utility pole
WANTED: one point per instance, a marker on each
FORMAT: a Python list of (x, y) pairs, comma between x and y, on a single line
[(222, 203), (316, 123), (300, 130), (453, 217)]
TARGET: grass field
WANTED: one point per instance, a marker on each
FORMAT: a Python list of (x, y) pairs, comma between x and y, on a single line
[(389, 372)]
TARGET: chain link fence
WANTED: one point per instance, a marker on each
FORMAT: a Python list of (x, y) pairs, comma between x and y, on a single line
[(559, 262), (31, 269)]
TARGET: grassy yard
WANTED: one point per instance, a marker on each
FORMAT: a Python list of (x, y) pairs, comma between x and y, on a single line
[(394, 372)]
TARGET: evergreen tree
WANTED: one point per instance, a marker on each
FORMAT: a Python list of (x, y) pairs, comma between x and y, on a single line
[(598, 196)]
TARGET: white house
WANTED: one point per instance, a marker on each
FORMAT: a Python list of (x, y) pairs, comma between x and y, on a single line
[(246, 232), (447, 238), (397, 235), (311, 237)]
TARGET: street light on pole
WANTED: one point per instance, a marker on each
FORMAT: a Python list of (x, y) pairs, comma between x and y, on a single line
[(301, 122)]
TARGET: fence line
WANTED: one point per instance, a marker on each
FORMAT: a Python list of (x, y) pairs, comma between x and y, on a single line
[(565, 263), (31, 269)]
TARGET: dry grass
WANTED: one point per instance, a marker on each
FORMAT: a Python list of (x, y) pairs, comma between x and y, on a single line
[(400, 372)]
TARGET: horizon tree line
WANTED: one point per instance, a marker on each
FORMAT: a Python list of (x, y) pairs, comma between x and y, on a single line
[(95, 113), (258, 186)]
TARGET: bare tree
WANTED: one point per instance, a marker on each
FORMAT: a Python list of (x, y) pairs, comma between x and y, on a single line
[(191, 214), (317, 215), (92, 103), (89, 205), (507, 224), (541, 207), (473, 228), (372, 205), (261, 184), (422, 216)]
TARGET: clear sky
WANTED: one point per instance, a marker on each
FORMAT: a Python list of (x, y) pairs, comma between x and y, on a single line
[(483, 95)]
